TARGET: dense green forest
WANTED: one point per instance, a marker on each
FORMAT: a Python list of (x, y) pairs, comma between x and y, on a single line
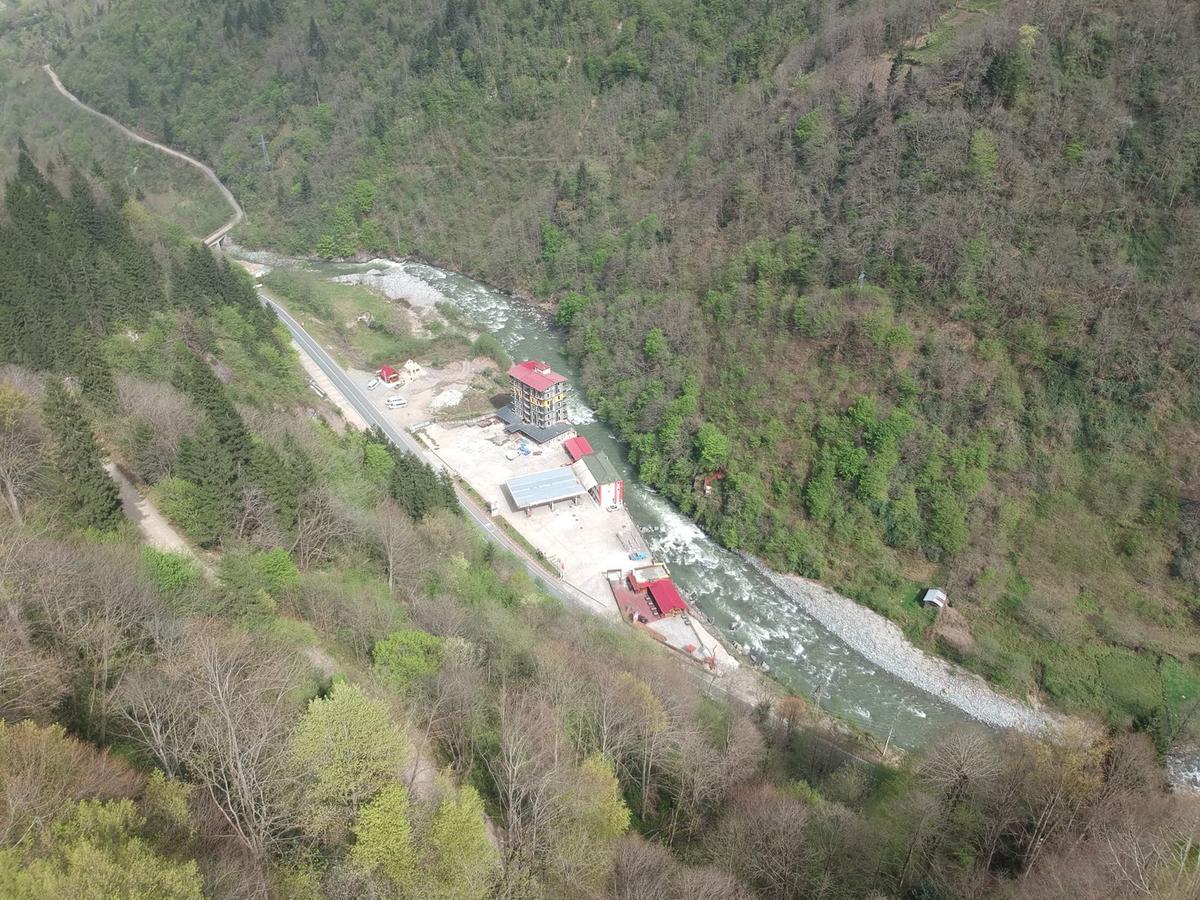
[(348, 693), (909, 285)]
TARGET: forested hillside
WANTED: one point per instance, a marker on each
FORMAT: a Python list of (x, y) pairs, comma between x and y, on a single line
[(349, 694), (910, 287)]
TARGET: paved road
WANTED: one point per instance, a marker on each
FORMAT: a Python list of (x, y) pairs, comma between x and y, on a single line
[(238, 214), (362, 404), (742, 685), (748, 688)]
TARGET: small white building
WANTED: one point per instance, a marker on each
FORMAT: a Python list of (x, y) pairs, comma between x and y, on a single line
[(413, 370), (934, 597), (597, 473)]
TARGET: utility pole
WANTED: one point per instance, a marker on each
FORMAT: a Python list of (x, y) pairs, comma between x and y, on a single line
[(262, 140), (821, 689)]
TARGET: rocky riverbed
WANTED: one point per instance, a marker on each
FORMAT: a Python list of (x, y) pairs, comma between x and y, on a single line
[(882, 642)]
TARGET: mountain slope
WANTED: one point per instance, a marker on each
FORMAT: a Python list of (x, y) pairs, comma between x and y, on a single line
[(909, 286)]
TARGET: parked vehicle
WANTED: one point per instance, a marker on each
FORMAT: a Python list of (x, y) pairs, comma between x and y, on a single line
[(395, 403), (372, 384)]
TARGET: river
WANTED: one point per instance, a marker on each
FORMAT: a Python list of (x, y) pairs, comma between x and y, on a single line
[(746, 608)]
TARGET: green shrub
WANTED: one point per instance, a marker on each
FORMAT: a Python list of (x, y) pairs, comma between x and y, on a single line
[(252, 582), (299, 291), (1131, 686), (946, 530), (292, 631), (187, 506), (1070, 676), (172, 573), (1004, 657), (712, 447), (569, 307), (655, 344), (278, 570), (406, 655), (488, 345)]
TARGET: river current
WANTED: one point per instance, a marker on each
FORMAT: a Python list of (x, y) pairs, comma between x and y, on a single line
[(745, 607)]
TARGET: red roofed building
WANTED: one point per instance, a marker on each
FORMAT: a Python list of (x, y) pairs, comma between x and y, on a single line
[(666, 597), (539, 394), (577, 448), (388, 374), (536, 374)]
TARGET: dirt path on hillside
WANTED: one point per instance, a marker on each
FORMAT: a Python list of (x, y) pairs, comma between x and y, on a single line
[(238, 213), (157, 531)]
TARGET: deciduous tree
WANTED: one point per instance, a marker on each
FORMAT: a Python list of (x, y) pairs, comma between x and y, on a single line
[(347, 749), (383, 836)]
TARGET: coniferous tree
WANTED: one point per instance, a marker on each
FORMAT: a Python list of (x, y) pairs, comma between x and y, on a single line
[(284, 476), (69, 266), (197, 380), (209, 468), (316, 43), (91, 371), (89, 494), (417, 488)]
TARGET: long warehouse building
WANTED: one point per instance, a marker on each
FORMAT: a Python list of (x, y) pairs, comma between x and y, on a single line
[(544, 488)]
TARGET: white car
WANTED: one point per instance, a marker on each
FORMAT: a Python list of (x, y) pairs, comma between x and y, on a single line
[(372, 384), (395, 403)]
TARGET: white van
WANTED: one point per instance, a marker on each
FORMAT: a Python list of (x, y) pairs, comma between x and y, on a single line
[(395, 403)]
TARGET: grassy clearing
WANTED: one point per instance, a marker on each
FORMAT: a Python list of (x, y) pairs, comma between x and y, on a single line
[(938, 44), (334, 313)]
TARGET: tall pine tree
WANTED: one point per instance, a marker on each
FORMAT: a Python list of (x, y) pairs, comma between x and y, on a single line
[(209, 468), (90, 496), (418, 488), (196, 379)]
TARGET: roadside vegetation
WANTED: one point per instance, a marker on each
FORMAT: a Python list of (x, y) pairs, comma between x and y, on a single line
[(915, 277), (348, 693), (362, 327)]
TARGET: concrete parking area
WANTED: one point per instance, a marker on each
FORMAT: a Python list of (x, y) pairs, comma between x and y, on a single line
[(578, 536)]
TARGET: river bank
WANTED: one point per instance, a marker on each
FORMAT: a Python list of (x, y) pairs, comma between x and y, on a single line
[(880, 640), (809, 646)]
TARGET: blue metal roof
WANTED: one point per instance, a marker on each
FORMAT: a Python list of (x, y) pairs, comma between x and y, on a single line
[(544, 487)]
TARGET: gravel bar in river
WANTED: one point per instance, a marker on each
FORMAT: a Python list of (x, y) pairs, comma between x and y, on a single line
[(885, 645)]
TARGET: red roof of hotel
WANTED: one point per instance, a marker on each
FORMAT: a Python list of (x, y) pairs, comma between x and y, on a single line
[(386, 372), (577, 448), (537, 374), (666, 596)]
